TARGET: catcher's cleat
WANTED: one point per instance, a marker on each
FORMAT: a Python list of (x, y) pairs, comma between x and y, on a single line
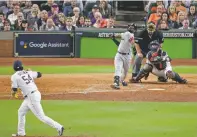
[(162, 79), (17, 135), (115, 86), (124, 83), (60, 132), (133, 80), (182, 81)]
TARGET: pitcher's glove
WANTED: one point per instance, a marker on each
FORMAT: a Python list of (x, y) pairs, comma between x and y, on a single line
[(15, 93)]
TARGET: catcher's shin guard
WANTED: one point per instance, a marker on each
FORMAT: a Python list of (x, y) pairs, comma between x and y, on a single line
[(178, 79), (139, 76), (116, 84)]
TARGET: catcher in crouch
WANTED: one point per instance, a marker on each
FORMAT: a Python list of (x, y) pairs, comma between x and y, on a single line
[(158, 63)]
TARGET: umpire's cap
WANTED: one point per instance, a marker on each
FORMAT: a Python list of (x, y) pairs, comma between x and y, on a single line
[(18, 65)]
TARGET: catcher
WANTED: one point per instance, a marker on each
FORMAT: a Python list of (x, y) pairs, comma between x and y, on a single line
[(158, 63)]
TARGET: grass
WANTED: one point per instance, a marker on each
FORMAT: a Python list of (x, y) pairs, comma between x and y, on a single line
[(5, 70), (107, 119)]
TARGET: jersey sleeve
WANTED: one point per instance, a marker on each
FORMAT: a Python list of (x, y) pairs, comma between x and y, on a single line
[(34, 74), (131, 37), (14, 82)]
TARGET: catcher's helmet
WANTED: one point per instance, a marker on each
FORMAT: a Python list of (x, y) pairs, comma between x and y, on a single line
[(18, 65), (132, 27), (154, 45)]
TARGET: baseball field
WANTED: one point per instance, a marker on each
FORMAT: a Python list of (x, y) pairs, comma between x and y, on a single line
[(77, 93)]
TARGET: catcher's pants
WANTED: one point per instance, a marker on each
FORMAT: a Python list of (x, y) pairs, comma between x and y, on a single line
[(122, 64), (162, 73), (32, 102)]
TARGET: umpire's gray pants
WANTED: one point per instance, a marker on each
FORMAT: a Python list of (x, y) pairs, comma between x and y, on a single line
[(137, 64)]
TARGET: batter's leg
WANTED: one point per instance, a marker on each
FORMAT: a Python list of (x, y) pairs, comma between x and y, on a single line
[(126, 66), (118, 63), (22, 111), (136, 66), (36, 108)]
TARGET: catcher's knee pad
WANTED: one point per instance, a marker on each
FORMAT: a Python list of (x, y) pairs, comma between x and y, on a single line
[(148, 68), (170, 74)]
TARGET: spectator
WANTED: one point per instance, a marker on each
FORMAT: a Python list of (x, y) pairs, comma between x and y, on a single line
[(185, 24), (110, 23), (154, 17), (47, 6), (33, 15), (7, 26), (28, 8), (49, 26), (181, 16), (105, 9), (2, 19), (192, 15), (68, 7), (80, 22), (88, 23), (61, 20), (76, 12), (179, 7), (7, 7), (54, 13), (100, 22), (91, 15), (12, 17), (163, 25), (18, 21), (152, 5), (172, 13), (165, 17), (69, 25), (43, 19)]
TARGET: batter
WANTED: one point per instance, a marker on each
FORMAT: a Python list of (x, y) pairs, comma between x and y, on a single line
[(123, 57)]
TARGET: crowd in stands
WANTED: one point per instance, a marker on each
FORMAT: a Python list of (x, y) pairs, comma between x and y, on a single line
[(174, 14), (51, 15)]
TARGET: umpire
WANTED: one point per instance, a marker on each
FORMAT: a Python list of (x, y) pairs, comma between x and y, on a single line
[(142, 47)]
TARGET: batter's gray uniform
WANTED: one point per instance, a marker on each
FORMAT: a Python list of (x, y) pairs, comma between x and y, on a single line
[(123, 58)]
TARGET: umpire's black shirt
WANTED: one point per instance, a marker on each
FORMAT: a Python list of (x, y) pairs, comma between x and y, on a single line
[(144, 42)]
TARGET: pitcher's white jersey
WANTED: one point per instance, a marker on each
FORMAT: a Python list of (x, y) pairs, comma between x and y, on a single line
[(125, 43), (25, 81)]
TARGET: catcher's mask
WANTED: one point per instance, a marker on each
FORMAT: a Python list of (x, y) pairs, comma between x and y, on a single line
[(151, 27), (17, 65), (154, 46), (132, 27)]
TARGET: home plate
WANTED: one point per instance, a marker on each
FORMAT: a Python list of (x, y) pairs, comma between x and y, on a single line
[(157, 89)]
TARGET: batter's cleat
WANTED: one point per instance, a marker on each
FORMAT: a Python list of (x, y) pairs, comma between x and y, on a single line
[(115, 86), (61, 131), (162, 79), (17, 135), (124, 83)]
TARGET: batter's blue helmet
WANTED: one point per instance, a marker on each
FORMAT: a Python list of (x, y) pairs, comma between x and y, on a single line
[(18, 65)]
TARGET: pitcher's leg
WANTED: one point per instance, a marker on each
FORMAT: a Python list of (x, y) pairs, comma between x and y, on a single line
[(21, 117), (37, 110)]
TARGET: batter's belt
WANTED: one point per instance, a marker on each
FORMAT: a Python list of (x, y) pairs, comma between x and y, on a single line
[(123, 53)]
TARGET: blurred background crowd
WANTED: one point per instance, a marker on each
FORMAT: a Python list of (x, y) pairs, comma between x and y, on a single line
[(66, 15)]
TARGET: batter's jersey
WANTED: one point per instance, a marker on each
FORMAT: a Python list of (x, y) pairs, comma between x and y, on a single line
[(125, 43), (25, 81)]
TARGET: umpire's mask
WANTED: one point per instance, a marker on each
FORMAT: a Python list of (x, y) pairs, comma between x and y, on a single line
[(151, 28)]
